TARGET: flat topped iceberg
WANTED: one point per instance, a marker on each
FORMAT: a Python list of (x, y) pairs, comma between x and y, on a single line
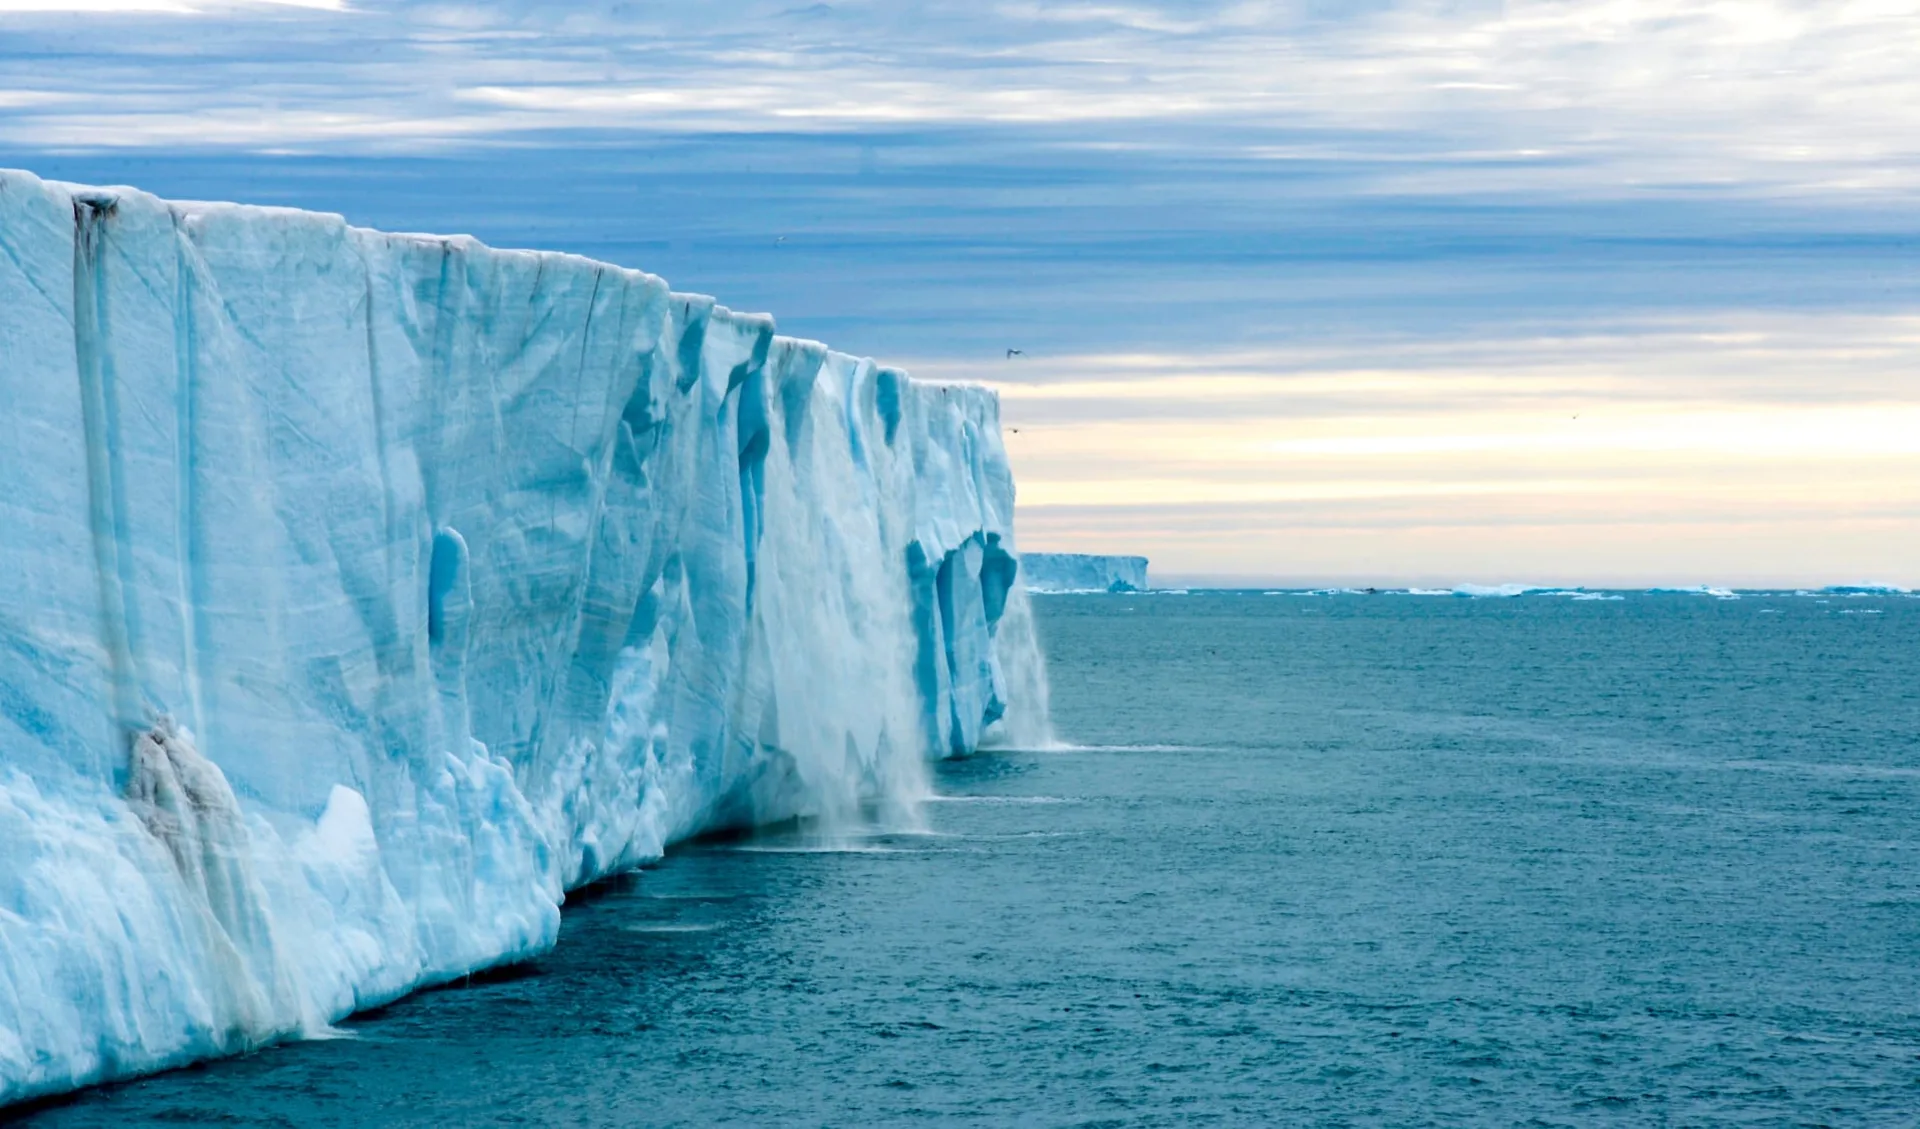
[(366, 592), (1083, 572)]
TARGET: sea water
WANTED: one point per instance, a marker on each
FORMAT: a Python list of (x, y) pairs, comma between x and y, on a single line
[(1319, 859)]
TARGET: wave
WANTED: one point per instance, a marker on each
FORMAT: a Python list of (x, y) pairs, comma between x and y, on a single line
[(1577, 592), (1000, 800), (1149, 748), (818, 849)]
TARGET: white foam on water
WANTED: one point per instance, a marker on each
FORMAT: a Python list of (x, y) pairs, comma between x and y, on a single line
[(1002, 800), (820, 849)]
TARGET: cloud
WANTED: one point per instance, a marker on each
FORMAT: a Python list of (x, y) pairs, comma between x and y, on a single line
[(1301, 286), (1580, 455), (171, 7), (94, 6), (1601, 97)]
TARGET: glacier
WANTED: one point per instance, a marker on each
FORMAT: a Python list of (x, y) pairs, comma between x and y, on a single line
[(1083, 572), (364, 593)]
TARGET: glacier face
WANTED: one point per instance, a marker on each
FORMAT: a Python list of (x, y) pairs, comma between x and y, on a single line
[(1083, 572), (365, 592)]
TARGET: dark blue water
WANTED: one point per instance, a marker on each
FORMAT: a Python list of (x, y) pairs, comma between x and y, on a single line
[(1323, 860)]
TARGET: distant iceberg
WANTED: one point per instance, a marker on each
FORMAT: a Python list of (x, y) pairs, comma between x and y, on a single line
[(1081, 572), (366, 592)]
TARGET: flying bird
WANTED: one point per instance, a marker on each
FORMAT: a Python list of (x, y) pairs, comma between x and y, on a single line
[(1012, 353)]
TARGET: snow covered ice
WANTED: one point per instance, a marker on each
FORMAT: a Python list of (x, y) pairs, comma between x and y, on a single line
[(1083, 572), (365, 592)]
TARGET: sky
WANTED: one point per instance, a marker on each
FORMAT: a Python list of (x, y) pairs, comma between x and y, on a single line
[(1604, 293)]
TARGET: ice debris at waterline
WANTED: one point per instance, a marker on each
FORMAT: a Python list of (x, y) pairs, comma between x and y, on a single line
[(365, 592), (1083, 572)]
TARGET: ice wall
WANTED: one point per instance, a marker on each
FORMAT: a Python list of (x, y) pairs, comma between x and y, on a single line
[(361, 593), (1083, 572)]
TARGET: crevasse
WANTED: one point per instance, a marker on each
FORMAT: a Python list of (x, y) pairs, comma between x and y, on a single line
[(362, 593)]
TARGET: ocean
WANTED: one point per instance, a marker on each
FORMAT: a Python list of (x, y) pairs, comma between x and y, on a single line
[(1298, 859)]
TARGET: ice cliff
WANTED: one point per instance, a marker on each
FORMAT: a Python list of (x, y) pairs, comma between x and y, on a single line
[(1082, 572), (362, 593)]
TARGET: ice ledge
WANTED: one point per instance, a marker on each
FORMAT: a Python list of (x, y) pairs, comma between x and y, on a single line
[(1083, 572)]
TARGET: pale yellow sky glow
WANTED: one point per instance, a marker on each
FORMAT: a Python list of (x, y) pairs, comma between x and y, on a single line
[(1788, 454)]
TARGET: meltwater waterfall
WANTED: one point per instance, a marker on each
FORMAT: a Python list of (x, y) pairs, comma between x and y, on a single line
[(362, 593)]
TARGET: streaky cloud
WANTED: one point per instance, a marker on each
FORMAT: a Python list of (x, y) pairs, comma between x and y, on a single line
[(1757, 96)]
